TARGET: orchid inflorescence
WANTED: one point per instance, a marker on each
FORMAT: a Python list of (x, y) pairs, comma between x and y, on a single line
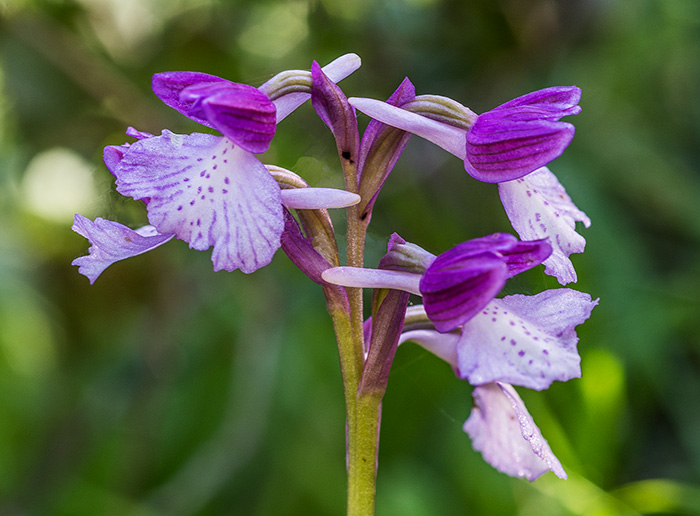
[(213, 191)]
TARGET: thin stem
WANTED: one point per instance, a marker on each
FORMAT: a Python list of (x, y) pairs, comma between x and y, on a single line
[(362, 458)]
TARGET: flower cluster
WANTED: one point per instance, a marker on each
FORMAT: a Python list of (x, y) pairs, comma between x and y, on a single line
[(213, 192)]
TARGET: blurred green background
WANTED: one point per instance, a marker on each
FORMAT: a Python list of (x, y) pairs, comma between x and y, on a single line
[(168, 389)]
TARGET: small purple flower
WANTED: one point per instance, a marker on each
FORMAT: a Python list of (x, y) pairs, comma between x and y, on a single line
[(503, 144), (528, 341), (212, 191), (456, 284)]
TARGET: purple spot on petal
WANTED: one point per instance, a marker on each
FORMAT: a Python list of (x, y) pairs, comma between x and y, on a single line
[(192, 203), (214, 167), (179, 208), (226, 180), (545, 351), (503, 338), (493, 319), (201, 174), (211, 189), (521, 353), (224, 191), (512, 323), (512, 342)]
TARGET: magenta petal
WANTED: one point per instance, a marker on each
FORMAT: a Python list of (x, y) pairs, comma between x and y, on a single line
[(503, 431), (525, 340), (539, 207), (562, 99), (111, 242), (169, 85), (240, 112), (502, 148), (521, 135), (208, 192)]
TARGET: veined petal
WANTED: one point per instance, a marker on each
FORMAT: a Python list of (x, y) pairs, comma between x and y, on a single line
[(336, 71), (169, 85), (539, 207), (318, 198), (502, 149), (111, 242), (372, 278), (562, 98), (503, 431), (525, 340), (240, 112), (450, 138), (209, 192)]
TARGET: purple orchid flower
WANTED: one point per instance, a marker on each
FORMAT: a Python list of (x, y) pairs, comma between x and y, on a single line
[(455, 285), (503, 144), (510, 145), (528, 341), (207, 190)]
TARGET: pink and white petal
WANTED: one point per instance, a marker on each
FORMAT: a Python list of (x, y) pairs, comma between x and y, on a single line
[(372, 278), (450, 138), (442, 345), (209, 192), (525, 340), (503, 431), (318, 198), (111, 242), (539, 207), (336, 70)]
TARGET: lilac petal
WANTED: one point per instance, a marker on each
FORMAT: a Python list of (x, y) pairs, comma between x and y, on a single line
[(503, 431), (318, 198), (336, 71), (539, 207), (372, 278), (208, 192), (459, 283), (169, 85), (240, 112), (111, 242), (502, 148), (525, 340), (442, 345), (450, 138)]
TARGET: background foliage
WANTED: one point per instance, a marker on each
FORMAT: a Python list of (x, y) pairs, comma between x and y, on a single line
[(167, 389)]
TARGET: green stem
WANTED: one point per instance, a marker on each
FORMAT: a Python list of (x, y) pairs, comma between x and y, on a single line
[(362, 456)]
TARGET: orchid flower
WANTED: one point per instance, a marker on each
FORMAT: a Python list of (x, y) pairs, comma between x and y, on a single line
[(455, 285), (528, 341), (503, 144), (204, 189), (509, 145)]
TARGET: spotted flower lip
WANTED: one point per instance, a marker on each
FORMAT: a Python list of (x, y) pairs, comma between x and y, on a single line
[(505, 143), (456, 284), (210, 191), (529, 341)]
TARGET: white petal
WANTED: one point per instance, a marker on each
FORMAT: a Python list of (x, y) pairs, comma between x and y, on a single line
[(525, 340), (317, 198), (208, 192), (372, 278), (539, 207), (450, 138), (503, 431)]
